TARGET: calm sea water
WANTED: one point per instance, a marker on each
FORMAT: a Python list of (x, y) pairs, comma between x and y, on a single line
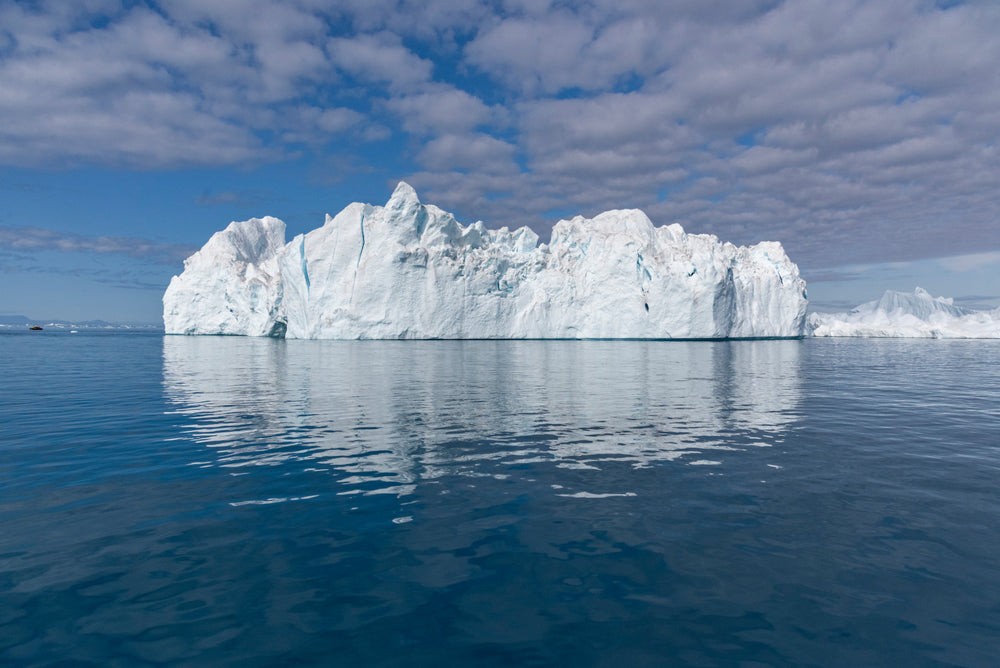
[(231, 501)]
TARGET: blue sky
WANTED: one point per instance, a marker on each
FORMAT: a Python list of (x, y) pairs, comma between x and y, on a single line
[(863, 136)]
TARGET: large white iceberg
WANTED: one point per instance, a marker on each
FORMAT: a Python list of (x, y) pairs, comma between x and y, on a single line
[(411, 271), (909, 315)]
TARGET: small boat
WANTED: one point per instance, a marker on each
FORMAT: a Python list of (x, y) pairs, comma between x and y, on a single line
[(35, 328)]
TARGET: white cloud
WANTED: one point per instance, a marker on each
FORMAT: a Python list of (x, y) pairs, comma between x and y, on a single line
[(857, 156), (852, 131), (380, 59), (537, 54), (440, 109), (151, 90), (473, 151), (36, 238), (757, 159), (439, 22)]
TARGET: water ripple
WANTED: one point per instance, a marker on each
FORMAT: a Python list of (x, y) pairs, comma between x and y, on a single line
[(394, 413), (225, 501)]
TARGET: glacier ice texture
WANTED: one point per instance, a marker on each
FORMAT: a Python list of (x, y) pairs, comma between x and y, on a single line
[(914, 314), (411, 271)]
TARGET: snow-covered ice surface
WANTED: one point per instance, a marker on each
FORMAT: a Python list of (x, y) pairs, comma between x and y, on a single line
[(909, 315), (409, 270)]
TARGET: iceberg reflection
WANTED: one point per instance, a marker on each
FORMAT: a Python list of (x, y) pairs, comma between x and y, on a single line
[(385, 415)]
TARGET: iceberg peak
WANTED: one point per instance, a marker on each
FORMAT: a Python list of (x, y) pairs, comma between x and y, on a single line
[(404, 194), (410, 270), (918, 303)]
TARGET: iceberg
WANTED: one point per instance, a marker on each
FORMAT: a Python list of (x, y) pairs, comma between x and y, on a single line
[(914, 314), (408, 270)]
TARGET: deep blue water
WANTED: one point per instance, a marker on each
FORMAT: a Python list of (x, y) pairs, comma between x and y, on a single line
[(230, 501)]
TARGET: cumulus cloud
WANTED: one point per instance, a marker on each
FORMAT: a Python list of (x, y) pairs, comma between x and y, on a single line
[(824, 125), (380, 59), (193, 84), (440, 109), (477, 151), (851, 131), (513, 50)]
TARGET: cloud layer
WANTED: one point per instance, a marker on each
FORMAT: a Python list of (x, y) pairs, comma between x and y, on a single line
[(851, 131), (21, 239)]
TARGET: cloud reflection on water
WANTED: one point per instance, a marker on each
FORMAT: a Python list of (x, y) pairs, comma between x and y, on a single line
[(384, 415)]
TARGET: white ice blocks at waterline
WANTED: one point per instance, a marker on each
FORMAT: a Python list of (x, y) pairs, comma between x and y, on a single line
[(909, 315)]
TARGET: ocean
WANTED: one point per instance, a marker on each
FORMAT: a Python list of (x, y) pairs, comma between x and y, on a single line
[(217, 501)]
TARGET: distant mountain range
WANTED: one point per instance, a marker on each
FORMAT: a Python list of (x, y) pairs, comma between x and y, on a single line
[(20, 321)]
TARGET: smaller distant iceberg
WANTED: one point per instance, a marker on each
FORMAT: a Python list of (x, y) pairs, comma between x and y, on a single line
[(914, 314)]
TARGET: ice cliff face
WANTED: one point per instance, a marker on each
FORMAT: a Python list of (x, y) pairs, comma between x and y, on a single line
[(909, 315), (232, 285), (408, 270)]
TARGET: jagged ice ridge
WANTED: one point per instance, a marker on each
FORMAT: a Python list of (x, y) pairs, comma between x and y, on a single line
[(411, 271)]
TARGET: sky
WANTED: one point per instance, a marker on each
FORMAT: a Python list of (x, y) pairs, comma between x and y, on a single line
[(861, 135)]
